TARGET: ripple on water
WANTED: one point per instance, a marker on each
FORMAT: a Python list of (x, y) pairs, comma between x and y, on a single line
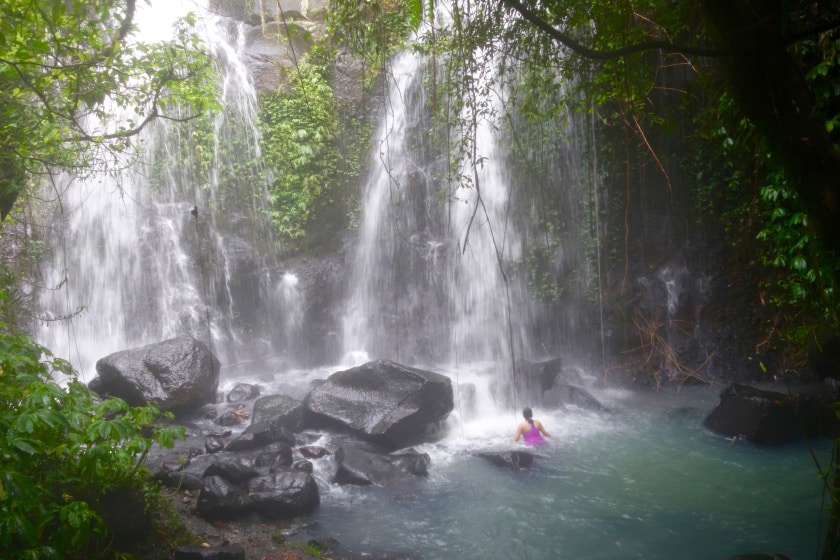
[(644, 481)]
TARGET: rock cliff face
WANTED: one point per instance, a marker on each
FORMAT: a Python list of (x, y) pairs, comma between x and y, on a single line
[(255, 12), (687, 311), (279, 33)]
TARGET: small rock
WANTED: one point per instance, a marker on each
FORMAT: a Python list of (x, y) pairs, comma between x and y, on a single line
[(223, 552)]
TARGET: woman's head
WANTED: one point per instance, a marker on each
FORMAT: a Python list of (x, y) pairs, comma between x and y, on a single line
[(527, 413)]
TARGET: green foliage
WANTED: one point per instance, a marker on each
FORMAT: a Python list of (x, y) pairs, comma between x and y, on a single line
[(742, 184), (68, 67), (61, 450), (299, 128), (763, 201), (315, 549), (375, 29), (809, 276), (11, 298)]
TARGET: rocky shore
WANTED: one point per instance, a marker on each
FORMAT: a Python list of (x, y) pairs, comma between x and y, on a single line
[(245, 482)]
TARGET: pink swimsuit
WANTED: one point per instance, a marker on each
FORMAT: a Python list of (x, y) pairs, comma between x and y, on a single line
[(534, 437)]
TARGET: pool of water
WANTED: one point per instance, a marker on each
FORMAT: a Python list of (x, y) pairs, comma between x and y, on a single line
[(643, 481)]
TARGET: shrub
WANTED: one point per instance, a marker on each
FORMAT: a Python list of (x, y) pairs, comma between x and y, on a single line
[(299, 129), (62, 450)]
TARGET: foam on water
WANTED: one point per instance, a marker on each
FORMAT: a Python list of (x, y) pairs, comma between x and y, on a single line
[(645, 480)]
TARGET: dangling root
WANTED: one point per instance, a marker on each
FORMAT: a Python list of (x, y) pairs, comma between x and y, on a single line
[(656, 348)]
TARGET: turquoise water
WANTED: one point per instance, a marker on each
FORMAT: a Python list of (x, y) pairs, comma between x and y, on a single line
[(644, 481)]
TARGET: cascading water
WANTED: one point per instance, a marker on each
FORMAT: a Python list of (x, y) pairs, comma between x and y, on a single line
[(426, 283), (486, 302), (439, 271), (370, 313), (153, 253), (431, 286), (289, 304), (149, 253)]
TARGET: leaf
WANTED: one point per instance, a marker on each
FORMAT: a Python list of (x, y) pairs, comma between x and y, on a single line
[(25, 424), (24, 445), (415, 13), (104, 429)]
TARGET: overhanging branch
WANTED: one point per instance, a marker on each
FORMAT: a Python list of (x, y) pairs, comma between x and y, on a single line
[(663, 46)]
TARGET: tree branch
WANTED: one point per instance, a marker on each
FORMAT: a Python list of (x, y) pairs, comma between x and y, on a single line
[(664, 46)]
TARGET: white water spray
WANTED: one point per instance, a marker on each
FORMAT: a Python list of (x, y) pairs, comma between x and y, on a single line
[(431, 283), (140, 256)]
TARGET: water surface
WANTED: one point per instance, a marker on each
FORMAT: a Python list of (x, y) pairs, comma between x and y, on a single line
[(644, 481)]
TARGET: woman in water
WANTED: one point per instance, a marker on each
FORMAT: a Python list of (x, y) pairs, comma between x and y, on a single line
[(532, 429)]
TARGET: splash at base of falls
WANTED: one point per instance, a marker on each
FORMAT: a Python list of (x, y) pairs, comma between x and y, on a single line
[(158, 250), (645, 481)]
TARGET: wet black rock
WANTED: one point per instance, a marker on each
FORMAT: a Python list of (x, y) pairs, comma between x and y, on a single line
[(562, 395), (233, 468), (243, 392), (363, 467), (179, 375), (383, 402), (229, 418), (278, 454), (214, 444), (220, 499), (279, 410), (259, 435), (283, 494), (181, 472), (222, 552), (508, 459), (769, 417)]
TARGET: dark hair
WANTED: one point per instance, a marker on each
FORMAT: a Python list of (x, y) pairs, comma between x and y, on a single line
[(528, 414)]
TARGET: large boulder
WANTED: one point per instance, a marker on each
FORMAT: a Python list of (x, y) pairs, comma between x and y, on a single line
[(284, 494), (236, 485), (279, 410), (364, 467), (234, 468), (534, 378), (769, 417), (242, 392), (259, 435), (220, 499), (563, 395), (383, 402), (179, 375)]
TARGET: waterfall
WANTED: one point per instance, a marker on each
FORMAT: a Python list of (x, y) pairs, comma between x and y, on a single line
[(161, 249), (440, 274), (488, 241), (180, 242), (427, 284), (289, 305), (386, 223)]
